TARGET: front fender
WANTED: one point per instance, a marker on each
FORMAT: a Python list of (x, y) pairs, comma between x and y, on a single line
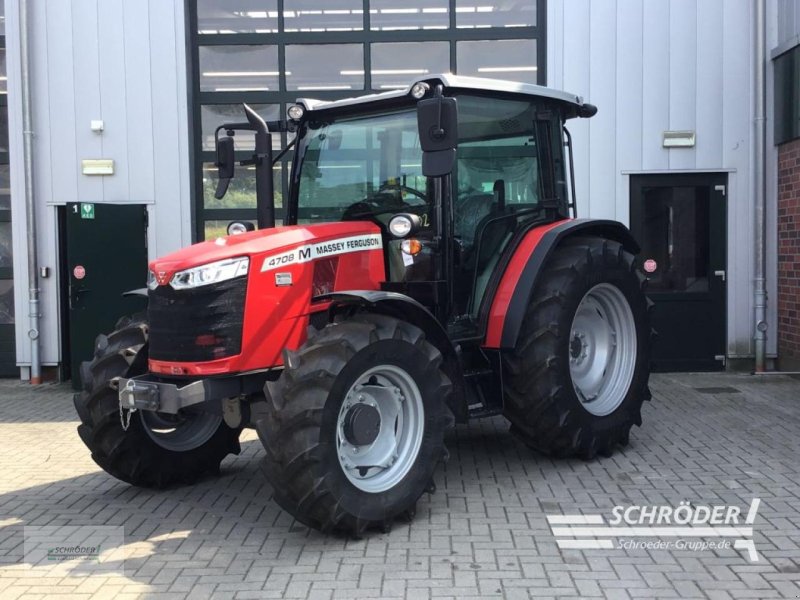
[(406, 308)]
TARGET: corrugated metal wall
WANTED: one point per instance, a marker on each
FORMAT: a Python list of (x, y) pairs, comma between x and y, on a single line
[(788, 22), (650, 65), (120, 61), (656, 65)]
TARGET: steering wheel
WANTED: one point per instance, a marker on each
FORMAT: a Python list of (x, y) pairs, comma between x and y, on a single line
[(384, 202), (403, 189)]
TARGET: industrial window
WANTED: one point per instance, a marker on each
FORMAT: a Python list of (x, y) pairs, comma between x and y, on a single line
[(268, 53), (787, 96)]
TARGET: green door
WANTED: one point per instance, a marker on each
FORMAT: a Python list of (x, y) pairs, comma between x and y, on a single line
[(106, 255), (680, 222), (8, 361)]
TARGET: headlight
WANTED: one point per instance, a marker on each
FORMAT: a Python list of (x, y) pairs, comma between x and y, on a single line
[(152, 282), (222, 270), (403, 224)]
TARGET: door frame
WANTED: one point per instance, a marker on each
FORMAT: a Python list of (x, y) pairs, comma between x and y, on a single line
[(714, 179)]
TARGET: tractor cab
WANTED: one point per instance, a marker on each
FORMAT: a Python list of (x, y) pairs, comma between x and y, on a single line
[(450, 168)]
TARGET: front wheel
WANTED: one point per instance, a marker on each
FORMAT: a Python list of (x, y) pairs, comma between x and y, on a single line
[(576, 381), (353, 429), (145, 448)]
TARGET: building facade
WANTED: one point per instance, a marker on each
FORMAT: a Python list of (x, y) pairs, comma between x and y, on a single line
[(144, 84)]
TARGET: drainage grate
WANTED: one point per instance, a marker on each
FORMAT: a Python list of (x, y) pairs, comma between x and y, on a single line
[(718, 390)]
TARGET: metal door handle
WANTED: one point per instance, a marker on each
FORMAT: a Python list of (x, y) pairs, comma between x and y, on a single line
[(720, 274)]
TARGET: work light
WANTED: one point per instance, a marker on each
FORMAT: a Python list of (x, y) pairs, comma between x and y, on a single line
[(296, 112)]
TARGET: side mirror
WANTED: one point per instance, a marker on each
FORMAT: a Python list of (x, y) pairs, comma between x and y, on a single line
[(437, 120), (225, 165)]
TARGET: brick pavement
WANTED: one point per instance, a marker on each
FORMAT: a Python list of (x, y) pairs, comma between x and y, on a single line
[(484, 534)]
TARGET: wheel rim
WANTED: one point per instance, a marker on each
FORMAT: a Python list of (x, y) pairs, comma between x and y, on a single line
[(180, 433), (375, 456), (602, 349)]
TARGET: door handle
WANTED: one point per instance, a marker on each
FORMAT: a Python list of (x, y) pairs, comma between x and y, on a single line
[(720, 274), (75, 292)]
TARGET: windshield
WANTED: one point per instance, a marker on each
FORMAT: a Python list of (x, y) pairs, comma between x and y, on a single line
[(362, 168)]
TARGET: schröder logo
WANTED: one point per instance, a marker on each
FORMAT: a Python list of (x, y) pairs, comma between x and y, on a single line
[(675, 523)]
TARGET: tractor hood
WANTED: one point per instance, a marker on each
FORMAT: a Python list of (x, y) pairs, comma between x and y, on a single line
[(263, 244)]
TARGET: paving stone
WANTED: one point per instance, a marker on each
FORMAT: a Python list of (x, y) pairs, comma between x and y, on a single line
[(484, 534)]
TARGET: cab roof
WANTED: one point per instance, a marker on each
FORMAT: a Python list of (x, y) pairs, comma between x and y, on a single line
[(575, 104)]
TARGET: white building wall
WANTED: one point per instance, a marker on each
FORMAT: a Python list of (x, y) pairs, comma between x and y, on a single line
[(657, 65), (120, 61)]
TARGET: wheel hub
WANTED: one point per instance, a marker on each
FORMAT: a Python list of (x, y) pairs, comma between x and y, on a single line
[(578, 347), (602, 349), (362, 424), (380, 428)]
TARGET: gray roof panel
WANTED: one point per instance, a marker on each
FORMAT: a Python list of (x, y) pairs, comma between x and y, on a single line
[(450, 81)]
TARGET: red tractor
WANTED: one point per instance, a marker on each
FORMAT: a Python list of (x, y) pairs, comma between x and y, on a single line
[(430, 269)]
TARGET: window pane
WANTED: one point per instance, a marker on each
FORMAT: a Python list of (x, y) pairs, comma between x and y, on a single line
[(787, 96), (323, 15), (388, 15), (237, 16), (214, 115), (219, 228), (395, 65), (3, 72), (496, 150), (472, 14), (499, 59), (241, 190), (6, 302), (238, 68), (675, 237), (6, 253), (3, 129), (5, 188), (356, 166), (325, 67)]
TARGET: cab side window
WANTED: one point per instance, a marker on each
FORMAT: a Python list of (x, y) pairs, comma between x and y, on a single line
[(497, 176)]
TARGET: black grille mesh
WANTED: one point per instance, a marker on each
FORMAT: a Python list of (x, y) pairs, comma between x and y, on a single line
[(197, 325)]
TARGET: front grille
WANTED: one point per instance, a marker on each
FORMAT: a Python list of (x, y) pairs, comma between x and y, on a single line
[(197, 325)]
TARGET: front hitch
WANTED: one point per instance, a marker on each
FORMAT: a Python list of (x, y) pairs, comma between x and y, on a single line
[(146, 392)]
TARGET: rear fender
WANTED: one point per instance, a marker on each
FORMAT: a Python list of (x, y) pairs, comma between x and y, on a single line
[(406, 308), (519, 280)]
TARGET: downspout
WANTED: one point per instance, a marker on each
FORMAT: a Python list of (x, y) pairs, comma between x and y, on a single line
[(760, 190), (30, 206)]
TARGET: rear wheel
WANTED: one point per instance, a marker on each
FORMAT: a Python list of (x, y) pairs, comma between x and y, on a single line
[(157, 449), (578, 376), (353, 429)]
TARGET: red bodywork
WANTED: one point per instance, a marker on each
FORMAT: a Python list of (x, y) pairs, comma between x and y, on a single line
[(502, 298), (281, 285), (288, 266)]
